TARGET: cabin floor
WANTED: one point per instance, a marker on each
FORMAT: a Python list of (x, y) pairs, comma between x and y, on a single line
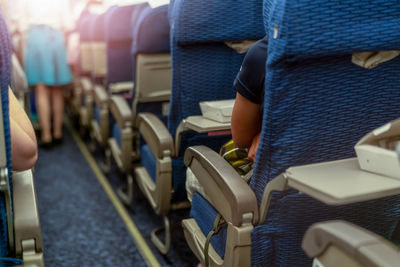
[(81, 226)]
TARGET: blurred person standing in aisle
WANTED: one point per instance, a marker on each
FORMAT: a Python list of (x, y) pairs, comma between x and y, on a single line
[(45, 63)]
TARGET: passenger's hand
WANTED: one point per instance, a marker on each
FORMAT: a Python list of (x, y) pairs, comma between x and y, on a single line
[(254, 147)]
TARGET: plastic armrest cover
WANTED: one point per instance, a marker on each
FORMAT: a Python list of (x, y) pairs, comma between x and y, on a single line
[(121, 111), (366, 247), (100, 96), (26, 216), (228, 192), (155, 134), (86, 85)]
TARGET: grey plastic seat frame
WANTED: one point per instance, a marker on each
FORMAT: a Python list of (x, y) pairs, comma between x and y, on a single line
[(152, 84), (233, 198), (340, 243)]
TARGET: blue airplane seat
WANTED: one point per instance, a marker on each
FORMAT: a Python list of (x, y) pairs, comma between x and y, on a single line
[(202, 63), (17, 194), (150, 36), (150, 33), (83, 29), (317, 105), (97, 37), (5, 68), (151, 62), (203, 69), (209, 22), (119, 42)]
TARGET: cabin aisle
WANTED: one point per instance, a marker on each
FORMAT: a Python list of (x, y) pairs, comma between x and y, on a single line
[(80, 227)]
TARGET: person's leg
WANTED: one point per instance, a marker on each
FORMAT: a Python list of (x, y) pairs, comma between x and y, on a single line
[(58, 111), (42, 93)]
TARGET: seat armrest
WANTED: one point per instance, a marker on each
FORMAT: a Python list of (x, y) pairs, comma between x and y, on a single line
[(26, 216), (100, 96), (121, 110), (86, 85), (361, 245), (155, 134), (227, 191)]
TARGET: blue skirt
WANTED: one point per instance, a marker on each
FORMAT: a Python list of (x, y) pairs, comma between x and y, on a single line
[(46, 57)]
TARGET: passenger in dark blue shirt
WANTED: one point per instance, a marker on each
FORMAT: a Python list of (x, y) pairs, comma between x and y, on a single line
[(249, 86)]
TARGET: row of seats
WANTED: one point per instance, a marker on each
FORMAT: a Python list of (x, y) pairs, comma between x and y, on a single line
[(317, 104)]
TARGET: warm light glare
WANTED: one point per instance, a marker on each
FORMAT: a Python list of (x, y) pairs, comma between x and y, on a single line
[(47, 7)]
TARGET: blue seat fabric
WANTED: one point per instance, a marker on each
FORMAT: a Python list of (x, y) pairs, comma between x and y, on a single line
[(317, 106), (5, 81), (84, 36), (212, 21), (118, 42), (150, 36), (148, 161), (97, 29), (150, 33), (203, 68)]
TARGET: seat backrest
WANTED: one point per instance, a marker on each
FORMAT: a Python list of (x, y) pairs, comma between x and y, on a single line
[(317, 105), (118, 44), (151, 54), (85, 54), (203, 67), (85, 44), (98, 47), (6, 236)]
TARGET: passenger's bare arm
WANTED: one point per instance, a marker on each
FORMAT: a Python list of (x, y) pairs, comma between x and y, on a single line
[(23, 140), (246, 121)]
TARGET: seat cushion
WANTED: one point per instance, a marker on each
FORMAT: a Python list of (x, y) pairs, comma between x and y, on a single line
[(96, 113), (148, 161), (116, 133), (205, 214)]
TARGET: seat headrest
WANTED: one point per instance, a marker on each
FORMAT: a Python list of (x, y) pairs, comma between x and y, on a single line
[(118, 23), (136, 14), (151, 32), (311, 27), (97, 29), (211, 21), (84, 27)]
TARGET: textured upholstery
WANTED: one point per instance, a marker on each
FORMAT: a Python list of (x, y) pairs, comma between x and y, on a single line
[(148, 161), (5, 82), (118, 42), (5, 68), (317, 106), (206, 69), (203, 67), (204, 214), (212, 21)]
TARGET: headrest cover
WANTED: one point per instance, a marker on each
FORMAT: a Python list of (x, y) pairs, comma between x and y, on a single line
[(83, 27), (211, 20), (136, 14), (97, 31), (151, 33), (118, 23), (313, 27)]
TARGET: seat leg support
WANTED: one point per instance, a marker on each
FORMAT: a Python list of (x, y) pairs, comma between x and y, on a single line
[(162, 246), (126, 193), (29, 254), (105, 165)]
